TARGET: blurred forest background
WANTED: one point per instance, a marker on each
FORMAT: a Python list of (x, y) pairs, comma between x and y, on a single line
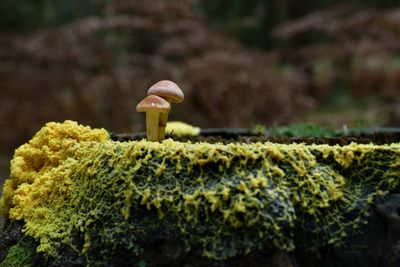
[(239, 63)]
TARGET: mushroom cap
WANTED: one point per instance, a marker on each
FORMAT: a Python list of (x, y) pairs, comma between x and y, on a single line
[(153, 103), (167, 89)]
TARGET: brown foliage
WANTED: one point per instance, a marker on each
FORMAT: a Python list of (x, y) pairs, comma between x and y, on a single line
[(96, 69), (241, 89), (361, 47)]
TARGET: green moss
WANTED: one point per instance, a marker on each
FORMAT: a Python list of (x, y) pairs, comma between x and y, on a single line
[(21, 254), (304, 130), (98, 196)]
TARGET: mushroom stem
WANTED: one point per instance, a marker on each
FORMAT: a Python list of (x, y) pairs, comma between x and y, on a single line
[(162, 123), (152, 118)]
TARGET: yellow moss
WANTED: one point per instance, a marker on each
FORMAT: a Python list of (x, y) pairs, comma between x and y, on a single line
[(145, 197), (225, 193), (31, 167), (71, 181), (178, 128)]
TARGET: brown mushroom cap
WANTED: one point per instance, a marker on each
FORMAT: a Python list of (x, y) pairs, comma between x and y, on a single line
[(167, 89), (153, 103)]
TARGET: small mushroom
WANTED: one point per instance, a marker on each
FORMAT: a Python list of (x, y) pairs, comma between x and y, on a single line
[(171, 92), (153, 106)]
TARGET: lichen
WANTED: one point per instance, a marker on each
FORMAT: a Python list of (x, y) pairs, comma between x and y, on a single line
[(75, 187), (178, 128)]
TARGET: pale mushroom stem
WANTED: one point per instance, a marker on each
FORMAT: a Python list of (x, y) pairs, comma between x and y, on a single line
[(162, 123), (152, 125)]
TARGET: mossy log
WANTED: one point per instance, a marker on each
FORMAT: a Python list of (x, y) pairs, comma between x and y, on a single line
[(85, 199)]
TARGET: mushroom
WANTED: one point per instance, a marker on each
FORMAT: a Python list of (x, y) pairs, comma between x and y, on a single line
[(153, 106), (171, 92)]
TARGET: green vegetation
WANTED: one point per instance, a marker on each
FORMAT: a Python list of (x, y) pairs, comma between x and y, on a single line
[(31, 15), (21, 254), (247, 21), (78, 189), (304, 130)]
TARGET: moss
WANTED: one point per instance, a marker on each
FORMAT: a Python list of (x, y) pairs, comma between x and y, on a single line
[(21, 254), (303, 130), (95, 195), (45, 151)]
